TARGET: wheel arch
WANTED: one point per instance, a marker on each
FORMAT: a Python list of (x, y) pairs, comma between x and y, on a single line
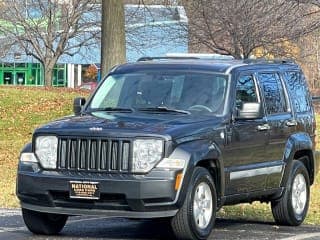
[(27, 148), (308, 162), (298, 146), (202, 153), (214, 168)]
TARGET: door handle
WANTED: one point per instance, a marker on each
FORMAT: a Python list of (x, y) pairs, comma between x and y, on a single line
[(263, 127), (291, 123)]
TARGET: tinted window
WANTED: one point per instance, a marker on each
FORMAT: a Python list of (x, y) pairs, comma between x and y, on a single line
[(298, 91), (246, 89), (273, 93)]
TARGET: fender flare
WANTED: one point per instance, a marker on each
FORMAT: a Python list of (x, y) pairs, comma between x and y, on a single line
[(27, 148), (297, 142), (197, 152)]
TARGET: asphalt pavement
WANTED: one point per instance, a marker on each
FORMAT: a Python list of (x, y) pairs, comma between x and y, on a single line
[(12, 228)]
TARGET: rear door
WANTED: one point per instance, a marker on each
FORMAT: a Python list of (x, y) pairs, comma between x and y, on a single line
[(280, 121)]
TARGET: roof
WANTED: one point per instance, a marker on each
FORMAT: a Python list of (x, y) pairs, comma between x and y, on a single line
[(219, 66)]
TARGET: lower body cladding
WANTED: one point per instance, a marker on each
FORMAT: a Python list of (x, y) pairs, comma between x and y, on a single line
[(110, 195)]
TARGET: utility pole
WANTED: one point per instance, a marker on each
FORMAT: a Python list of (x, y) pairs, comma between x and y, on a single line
[(113, 42)]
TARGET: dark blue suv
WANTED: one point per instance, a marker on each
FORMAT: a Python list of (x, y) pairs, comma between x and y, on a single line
[(176, 139)]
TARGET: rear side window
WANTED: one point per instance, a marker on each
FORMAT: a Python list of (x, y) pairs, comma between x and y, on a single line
[(298, 91), (273, 93)]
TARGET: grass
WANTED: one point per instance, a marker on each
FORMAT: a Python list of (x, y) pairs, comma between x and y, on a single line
[(21, 111), (24, 109)]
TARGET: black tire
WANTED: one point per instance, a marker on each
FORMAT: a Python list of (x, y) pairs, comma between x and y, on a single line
[(283, 210), (43, 223), (184, 225)]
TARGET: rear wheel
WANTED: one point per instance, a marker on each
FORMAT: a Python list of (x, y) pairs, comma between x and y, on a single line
[(196, 218), (292, 208), (43, 223)]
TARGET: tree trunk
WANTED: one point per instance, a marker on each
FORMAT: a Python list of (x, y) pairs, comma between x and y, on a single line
[(48, 72), (113, 42)]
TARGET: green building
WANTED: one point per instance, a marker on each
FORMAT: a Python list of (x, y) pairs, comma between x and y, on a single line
[(30, 74)]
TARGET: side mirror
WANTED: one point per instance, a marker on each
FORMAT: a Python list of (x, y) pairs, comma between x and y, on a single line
[(249, 110), (78, 103)]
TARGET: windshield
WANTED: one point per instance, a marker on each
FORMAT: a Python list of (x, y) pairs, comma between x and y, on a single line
[(191, 92)]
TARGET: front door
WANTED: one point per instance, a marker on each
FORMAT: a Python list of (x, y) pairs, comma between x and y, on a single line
[(245, 153)]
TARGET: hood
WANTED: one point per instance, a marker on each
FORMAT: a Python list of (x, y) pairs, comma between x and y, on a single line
[(132, 124)]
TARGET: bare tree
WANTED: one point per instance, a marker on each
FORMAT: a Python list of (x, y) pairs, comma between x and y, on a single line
[(113, 43), (146, 27), (161, 28), (47, 29), (309, 58), (237, 27)]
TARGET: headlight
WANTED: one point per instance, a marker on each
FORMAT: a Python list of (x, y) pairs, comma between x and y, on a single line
[(46, 151), (146, 154)]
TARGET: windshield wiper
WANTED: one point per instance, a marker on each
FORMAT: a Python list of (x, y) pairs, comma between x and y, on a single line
[(112, 109), (162, 109)]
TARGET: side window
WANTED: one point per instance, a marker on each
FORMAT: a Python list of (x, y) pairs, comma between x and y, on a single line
[(273, 93), (246, 90), (298, 91)]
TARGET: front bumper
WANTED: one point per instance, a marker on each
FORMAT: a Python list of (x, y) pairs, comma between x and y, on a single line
[(121, 195), (96, 212)]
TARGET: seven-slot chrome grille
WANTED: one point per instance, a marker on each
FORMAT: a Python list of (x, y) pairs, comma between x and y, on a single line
[(90, 154)]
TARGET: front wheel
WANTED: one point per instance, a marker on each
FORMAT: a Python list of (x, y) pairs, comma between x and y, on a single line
[(292, 208), (43, 223), (195, 220)]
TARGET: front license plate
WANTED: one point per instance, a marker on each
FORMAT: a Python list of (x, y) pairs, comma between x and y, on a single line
[(84, 190)]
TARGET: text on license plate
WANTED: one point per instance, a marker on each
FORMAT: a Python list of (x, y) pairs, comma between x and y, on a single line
[(84, 190)]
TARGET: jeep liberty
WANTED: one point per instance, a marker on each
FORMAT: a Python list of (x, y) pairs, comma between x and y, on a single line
[(176, 138)]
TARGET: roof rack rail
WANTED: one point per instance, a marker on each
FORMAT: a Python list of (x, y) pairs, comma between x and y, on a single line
[(264, 60), (206, 56), (190, 56), (143, 59)]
